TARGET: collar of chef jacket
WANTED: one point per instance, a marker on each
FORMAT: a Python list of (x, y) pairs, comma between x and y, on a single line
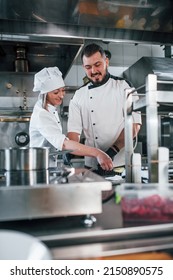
[(106, 78), (52, 108)]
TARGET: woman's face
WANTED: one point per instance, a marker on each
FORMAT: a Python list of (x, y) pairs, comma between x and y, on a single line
[(55, 97)]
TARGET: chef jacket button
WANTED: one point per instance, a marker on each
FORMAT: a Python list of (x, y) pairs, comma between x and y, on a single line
[(58, 122), (90, 97), (96, 137), (93, 123), (92, 111)]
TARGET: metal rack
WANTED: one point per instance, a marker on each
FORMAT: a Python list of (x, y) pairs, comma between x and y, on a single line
[(158, 157)]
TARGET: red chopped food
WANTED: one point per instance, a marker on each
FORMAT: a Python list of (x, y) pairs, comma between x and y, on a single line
[(151, 208), (155, 200)]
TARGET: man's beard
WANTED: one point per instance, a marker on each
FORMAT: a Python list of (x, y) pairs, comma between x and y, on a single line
[(97, 82)]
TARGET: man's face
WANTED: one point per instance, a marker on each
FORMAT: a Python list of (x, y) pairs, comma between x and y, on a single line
[(95, 67)]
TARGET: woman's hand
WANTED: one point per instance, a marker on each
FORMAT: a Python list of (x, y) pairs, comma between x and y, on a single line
[(79, 149)]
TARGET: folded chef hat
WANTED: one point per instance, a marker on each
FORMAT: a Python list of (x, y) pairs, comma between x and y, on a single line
[(48, 79)]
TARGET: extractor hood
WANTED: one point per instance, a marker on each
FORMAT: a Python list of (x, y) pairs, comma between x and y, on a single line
[(160, 66), (38, 55), (128, 20), (54, 30)]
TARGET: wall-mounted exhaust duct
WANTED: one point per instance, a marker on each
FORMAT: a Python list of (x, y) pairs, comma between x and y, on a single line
[(32, 57), (21, 62), (160, 66)]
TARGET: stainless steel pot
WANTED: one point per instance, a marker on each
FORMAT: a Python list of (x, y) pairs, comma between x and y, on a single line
[(26, 158), (26, 177)]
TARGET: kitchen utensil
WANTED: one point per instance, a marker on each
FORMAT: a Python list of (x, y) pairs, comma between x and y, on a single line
[(26, 158), (27, 177)]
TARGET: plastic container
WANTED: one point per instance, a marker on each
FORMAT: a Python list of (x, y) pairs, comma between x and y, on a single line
[(146, 202)]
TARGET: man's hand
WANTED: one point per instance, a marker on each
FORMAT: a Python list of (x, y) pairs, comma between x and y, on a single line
[(111, 152), (104, 161), (106, 173)]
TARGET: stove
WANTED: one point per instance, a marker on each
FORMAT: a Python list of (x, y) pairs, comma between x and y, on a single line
[(56, 192)]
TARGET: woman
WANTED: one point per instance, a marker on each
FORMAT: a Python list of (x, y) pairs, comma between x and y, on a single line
[(45, 126)]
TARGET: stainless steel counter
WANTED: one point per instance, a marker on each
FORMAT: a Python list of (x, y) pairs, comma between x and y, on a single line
[(67, 237), (64, 192), (110, 238)]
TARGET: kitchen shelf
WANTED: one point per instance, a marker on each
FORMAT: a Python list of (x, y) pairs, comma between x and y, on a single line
[(154, 102), (11, 112), (161, 97)]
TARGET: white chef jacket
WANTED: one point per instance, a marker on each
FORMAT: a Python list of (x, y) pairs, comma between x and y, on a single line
[(99, 113), (45, 128)]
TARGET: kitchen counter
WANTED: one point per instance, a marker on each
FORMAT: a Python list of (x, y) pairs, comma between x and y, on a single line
[(68, 238)]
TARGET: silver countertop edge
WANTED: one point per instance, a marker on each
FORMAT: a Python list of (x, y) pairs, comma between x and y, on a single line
[(110, 243), (118, 232)]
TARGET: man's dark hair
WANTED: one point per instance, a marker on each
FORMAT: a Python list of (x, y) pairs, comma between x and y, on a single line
[(92, 49)]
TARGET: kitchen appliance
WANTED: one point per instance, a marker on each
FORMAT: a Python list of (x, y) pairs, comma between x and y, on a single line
[(137, 73), (16, 103), (158, 157), (14, 131), (21, 62), (67, 192), (132, 20)]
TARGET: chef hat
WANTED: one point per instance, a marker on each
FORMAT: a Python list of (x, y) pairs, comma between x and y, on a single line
[(48, 79)]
